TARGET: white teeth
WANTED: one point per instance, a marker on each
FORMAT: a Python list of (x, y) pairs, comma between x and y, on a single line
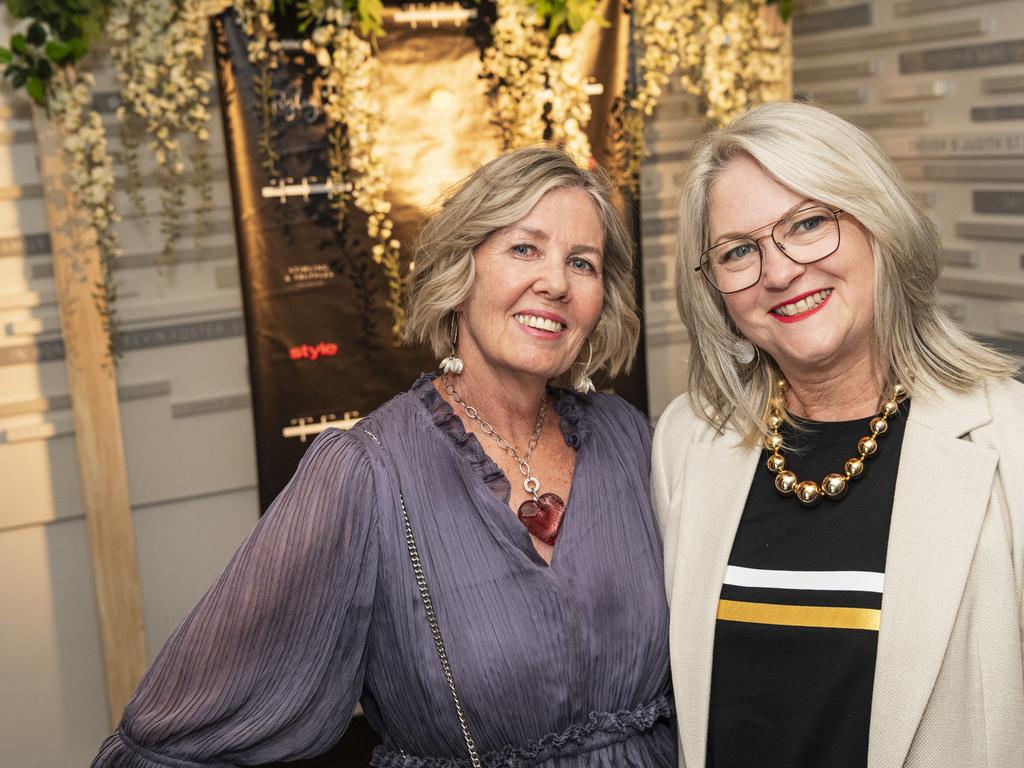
[(806, 303), (540, 323)]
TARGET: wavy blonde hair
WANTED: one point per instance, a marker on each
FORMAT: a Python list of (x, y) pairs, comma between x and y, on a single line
[(826, 159), (497, 195)]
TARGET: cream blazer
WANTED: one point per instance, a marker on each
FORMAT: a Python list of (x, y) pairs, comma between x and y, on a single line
[(949, 676)]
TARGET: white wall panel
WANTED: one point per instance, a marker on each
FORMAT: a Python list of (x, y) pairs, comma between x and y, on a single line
[(50, 662)]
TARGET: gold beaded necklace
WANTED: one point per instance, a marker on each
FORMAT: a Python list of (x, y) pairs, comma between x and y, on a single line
[(834, 485)]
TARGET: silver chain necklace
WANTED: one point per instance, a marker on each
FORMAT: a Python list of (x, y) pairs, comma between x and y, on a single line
[(541, 514), (530, 483)]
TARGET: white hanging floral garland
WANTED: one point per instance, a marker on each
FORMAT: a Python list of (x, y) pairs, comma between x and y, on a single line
[(570, 110), (742, 63), (537, 87), (515, 65), (723, 51), (345, 90), (69, 97), (158, 49)]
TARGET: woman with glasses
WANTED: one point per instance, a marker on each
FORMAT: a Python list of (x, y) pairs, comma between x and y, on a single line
[(841, 491)]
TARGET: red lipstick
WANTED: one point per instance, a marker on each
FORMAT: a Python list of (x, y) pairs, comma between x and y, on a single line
[(802, 315)]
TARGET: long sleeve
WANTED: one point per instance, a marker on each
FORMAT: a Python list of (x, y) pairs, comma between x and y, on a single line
[(269, 664)]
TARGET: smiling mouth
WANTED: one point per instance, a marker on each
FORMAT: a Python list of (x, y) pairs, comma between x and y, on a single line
[(803, 304), (539, 323)]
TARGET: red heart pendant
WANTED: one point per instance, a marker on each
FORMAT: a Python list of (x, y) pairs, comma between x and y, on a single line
[(543, 517)]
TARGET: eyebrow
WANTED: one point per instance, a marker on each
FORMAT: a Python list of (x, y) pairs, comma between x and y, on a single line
[(540, 234), (725, 237)]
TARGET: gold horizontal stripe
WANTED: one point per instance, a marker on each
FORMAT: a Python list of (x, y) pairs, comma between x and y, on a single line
[(799, 615)]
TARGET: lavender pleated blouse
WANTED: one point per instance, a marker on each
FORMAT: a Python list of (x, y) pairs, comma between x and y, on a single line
[(561, 665)]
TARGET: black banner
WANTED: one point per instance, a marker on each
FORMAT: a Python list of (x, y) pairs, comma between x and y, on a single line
[(322, 351)]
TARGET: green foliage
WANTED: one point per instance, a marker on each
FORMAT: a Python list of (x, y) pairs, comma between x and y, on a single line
[(59, 32), (571, 15), (370, 14), (785, 7)]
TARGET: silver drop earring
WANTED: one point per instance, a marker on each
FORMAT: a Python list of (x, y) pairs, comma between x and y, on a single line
[(453, 363), (583, 383), (744, 351)]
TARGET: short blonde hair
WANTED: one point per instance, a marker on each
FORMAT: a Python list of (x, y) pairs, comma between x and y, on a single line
[(497, 195), (826, 159)]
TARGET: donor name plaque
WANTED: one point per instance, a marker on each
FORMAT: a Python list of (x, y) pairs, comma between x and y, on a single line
[(1002, 53), (1003, 144), (998, 201)]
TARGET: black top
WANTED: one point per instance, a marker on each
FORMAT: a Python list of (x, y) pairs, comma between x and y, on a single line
[(797, 627)]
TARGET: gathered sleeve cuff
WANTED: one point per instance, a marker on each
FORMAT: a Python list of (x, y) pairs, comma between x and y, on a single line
[(269, 664)]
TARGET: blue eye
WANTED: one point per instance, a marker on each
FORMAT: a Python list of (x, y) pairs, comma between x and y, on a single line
[(522, 249), (736, 253), (809, 224), (581, 264)]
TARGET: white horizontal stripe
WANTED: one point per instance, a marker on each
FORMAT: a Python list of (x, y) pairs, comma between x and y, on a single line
[(847, 581)]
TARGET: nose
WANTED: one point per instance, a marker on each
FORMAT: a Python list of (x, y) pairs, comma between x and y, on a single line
[(552, 280), (778, 271)]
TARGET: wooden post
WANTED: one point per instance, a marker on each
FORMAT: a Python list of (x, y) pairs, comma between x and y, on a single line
[(97, 419), (776, 26)]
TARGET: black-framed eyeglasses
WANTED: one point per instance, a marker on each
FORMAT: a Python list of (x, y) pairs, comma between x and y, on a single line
[(805, 236)]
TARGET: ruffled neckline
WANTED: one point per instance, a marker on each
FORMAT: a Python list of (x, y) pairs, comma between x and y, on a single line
[(570, 407)]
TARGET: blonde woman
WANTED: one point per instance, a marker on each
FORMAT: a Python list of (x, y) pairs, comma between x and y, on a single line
[(842, 489), (477, 562)]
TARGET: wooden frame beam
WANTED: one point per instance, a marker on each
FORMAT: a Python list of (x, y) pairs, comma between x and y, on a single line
[(98, 442)]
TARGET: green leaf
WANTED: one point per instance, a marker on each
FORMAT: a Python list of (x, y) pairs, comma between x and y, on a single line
[(557, 20), (36, 90), (577, 18), (19, 78), (43, 69), (57, 50), (78, 48), (36, 33), (5, 55), (785, 7), (371, 17), (90, 27), (19, 44)]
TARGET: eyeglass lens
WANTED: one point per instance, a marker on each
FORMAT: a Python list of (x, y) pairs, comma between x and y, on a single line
[(805, 236)]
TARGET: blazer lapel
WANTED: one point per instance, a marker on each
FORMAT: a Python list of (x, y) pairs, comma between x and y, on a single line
[(715, 482), (942, 492)]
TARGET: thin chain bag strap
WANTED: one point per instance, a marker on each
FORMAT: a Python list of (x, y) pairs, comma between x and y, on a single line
[(428, 606)]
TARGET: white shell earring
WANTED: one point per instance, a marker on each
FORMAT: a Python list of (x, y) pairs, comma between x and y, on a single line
[(453, 363), (583, 383), (744, 351)]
